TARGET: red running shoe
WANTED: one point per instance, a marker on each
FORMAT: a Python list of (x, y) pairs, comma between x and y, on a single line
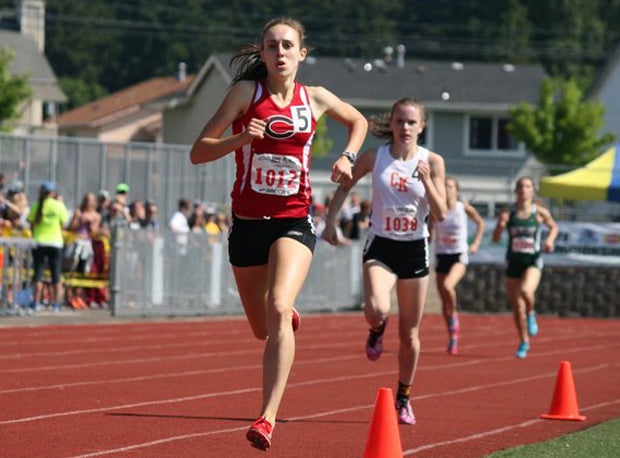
[(296, 319), (259, 434)]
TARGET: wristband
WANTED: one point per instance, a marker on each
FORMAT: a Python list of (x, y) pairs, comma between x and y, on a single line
[(351, 156)]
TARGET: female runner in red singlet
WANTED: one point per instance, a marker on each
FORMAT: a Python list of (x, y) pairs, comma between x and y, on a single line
[(272, 239)]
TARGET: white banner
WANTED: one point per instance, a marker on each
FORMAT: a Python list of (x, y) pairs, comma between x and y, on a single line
[(576, 244)]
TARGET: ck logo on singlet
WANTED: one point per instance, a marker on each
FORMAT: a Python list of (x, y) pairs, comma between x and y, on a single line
[(280, 126), (398, 181)]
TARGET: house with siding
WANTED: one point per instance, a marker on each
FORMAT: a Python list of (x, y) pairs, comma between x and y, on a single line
[(129, 115), (466, 105), (22, 31)]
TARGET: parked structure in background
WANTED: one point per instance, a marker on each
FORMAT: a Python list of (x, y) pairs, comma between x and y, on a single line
[(467, 106), (23, 32), (133, 114)]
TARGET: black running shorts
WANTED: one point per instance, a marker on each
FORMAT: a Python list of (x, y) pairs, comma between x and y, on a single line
[(249, 240)]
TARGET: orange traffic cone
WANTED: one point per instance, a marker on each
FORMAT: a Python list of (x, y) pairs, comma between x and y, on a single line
[(564, 404), (384, 437)]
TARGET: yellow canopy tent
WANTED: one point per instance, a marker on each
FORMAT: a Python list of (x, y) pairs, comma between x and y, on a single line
[(597, 180)]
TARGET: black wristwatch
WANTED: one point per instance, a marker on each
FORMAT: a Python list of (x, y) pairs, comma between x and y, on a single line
[(351, 156)]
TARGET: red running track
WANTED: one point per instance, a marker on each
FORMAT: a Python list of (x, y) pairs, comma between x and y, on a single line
[(190, 388)]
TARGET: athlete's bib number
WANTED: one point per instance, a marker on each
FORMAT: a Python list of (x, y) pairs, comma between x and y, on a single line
[(275, 174), (450, 241), (523, 245), (400, 221)]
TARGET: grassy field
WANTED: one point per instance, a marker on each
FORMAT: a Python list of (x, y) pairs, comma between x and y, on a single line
[(600, 441)]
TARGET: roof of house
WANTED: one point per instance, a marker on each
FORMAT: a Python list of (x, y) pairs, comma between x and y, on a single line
[(377, 84), (434, 82), (124, 102), (28, 60)]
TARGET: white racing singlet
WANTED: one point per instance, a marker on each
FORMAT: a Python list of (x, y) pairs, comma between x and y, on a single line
[(451, 233), (399, 204)]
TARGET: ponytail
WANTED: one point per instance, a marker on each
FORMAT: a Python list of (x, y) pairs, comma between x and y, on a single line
[(248, 63), (38, 216)]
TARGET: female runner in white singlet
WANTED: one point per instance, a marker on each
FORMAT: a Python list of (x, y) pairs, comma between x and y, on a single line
[(452, 255), (407, 186)]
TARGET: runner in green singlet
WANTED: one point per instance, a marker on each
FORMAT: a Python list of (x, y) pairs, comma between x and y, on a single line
[(523, 257)]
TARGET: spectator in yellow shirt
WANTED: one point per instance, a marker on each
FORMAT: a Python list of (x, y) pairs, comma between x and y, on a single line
[(47, 217)]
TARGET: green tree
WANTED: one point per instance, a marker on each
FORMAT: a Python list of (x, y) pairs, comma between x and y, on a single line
[(14, 89), (563, 128), (321, 144), (117, 43), (80, 92)]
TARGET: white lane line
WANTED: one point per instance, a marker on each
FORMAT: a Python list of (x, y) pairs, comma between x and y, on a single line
[(289, 386), (324, 414), (492, 432), (63, 367)]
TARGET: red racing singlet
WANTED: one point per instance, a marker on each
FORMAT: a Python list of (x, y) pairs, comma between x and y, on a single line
[(272, 173)]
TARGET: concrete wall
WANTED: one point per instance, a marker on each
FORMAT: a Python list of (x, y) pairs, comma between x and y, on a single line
[(592, 291)]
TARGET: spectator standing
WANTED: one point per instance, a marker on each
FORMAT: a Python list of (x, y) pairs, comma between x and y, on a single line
[(137, 215), (452, 255), (103, 205), (350, 217), (122, 197), (152, 214), (179, 224), (14, 212), (273, 119), (84, 226), (407, 185), (99, 296), (524, 262), (48, 217), (198, 221)]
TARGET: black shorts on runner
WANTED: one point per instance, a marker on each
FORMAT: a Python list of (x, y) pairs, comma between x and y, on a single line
[(516, 269), (444, 262), (406, 259), (249, 240)]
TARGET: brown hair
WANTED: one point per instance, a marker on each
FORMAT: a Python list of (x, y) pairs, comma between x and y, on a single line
[(456, 182), (379, 125), (530, 179), (247, 58)]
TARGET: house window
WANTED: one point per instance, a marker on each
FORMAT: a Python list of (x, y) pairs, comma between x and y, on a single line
[(480, 133), (504, 139), (490, 133)]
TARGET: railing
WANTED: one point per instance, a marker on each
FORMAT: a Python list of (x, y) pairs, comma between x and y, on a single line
[(16, 259), (156, 273)]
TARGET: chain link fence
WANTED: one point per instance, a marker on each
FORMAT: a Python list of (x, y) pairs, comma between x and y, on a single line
[(159, 273), (155, 172), (163, 173)]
